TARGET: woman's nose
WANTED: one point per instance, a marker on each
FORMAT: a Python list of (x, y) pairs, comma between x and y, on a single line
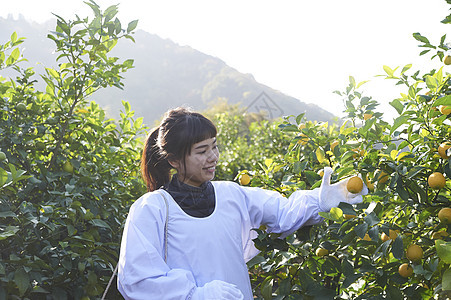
[(214, 155)]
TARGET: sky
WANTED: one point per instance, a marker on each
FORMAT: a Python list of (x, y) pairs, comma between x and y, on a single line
[(305, 49)]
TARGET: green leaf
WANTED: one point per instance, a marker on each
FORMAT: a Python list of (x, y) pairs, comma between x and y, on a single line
[(431, 82), (361, 229), (14, 37), (336, 214), (22, 281), (8, 231), (397, 105), (446, 100), (420, 38), (388, 70), (266, 288), (320, 154), (401, 120), (406, 67), (132, 25), (397, 248), (443, 250), (446, 280), (100, 223)]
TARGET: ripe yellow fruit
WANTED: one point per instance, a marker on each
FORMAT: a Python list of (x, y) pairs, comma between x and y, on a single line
[(348, 217), (245, 179), (369, 185), (446, 110), (321, 252), (354, 185), (67, 167), (414, 253), (367, 116), (321, 172), (383, 177), (439, 235), (405, 270), (367, 237), (447, 60), (436, 181), (392, 235), (303, 139), (442, 150), (333, 145), (444, 215)]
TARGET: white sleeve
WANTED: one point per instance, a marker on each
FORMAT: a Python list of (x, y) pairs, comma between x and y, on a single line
[(280, 214), (142, 271)]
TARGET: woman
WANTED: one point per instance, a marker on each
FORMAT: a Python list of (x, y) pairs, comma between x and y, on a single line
[(208, 241)]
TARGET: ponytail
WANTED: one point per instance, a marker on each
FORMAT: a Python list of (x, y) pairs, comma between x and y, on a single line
[(178, 132), (155, 168)]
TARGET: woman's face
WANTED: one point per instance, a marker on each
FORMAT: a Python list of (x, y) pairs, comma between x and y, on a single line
[(200, 164)]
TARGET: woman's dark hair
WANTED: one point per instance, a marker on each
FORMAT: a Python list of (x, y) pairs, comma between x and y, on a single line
[(179, 130)]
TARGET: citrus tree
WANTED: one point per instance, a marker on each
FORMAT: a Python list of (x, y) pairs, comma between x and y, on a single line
[(394, 245), (67, 172)]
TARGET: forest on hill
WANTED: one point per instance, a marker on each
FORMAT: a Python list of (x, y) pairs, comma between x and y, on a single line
[(167, 75)]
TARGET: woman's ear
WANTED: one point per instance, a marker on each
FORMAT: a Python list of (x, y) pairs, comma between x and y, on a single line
[(175, 163)]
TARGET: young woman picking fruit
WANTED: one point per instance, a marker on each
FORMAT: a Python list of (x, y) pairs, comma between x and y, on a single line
[(190, 237)]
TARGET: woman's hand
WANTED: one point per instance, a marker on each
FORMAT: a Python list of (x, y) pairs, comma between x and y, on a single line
[(331, 195), (217, 290)]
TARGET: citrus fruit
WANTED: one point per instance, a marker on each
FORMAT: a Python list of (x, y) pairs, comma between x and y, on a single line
[(367, 116), (348, 217), (369, 185), (333, 145), (303, 139), (67, 167), (321, 252), (444, 215), (442, 150), (354, 185), (414, 253), (405, 270), (383, 177), (439, 235), (366, 237), (245, 179), (436, 181), (321, 172), (447, 60), (21, 107), (2, 156), (446, 110), (392, 235)]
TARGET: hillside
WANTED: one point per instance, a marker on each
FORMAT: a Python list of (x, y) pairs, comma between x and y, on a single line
[(167, 75)]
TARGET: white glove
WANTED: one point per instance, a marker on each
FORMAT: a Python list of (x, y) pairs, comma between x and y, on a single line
[(217, 290), (331, 195)]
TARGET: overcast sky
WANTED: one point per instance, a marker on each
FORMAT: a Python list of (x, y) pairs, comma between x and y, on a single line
[(306, 49)]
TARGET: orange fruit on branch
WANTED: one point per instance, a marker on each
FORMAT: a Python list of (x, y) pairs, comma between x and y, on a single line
[(436, 181)]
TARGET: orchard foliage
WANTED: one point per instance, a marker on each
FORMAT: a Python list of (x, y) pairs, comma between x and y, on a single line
[(68, 176), (395, 159), (69, 173)]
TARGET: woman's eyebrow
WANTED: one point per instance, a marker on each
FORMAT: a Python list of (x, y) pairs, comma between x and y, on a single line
[(205, 145)]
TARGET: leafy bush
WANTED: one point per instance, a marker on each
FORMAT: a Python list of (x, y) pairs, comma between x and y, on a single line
[(70, 173)]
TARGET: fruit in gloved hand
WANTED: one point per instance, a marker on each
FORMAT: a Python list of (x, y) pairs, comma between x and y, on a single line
[(355, 185)]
